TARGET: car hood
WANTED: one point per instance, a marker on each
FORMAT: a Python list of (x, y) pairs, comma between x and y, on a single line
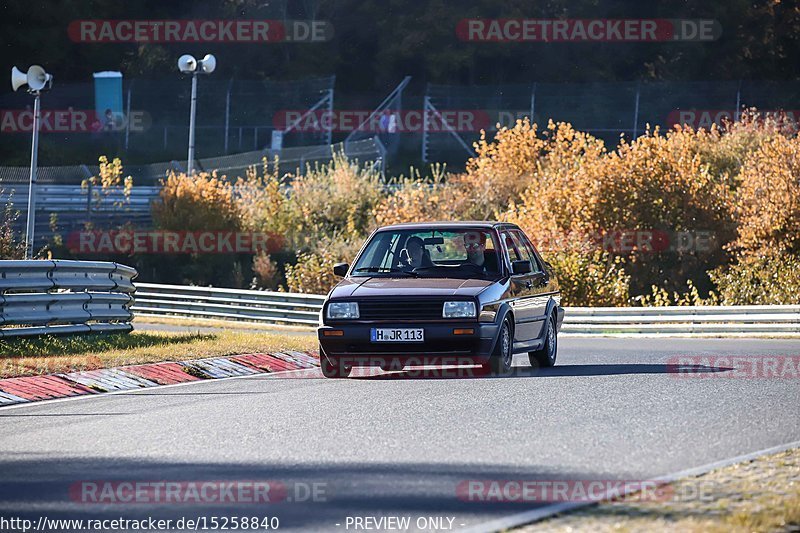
[(382, 287)]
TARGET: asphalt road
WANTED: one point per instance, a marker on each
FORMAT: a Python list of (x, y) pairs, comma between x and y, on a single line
[(379, 447)]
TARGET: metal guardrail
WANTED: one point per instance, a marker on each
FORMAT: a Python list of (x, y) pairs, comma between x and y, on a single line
[(303, 309), (227, 304), (676, 320), (61, 297)]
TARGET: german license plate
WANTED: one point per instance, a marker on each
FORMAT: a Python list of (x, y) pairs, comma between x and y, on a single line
[(397, 335)]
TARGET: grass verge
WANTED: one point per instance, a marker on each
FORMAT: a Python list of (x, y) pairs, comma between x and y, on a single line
[(48, 355), (214, 323), (762, 495)]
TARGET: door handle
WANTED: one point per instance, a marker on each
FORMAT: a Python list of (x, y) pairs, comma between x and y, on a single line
[(528, 284)]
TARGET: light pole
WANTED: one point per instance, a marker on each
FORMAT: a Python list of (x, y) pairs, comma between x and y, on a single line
[(189, 65), (37, 80)]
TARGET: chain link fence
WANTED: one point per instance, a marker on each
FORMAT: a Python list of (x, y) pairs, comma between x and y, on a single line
[(232, 116), (66, 204), (607, 110)]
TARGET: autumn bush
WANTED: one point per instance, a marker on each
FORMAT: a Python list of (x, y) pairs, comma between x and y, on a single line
[(266, 272), (12, 245), (109, 177), (201, 202), (759, 278), (313, 272), (594, 278), (767, 202), (738, 184), (330, 200), (416, 199)]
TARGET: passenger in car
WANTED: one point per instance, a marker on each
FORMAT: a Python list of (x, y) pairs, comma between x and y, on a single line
[(417, 255)]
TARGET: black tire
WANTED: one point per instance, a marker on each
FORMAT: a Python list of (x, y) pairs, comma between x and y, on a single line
[(546, 356), (503, 354), (332, 370)]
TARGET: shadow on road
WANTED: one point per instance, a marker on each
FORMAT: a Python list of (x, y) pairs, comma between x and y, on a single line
[(309, 497), (466, 372)]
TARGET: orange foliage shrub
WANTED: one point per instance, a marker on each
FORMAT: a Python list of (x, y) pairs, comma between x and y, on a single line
[(417, 200), (313, 271), (767, 205), (202, 202), (266, 272), (557, 208), (199, 202), (657, 182)]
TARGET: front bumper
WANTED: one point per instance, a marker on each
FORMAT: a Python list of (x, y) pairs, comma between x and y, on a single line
[(441, 346)]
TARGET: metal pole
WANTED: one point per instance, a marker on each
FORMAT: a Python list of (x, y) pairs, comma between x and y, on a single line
[(329, 138), (425, 107), (29, 229), (533, 102), (190, 160), (227, 114), (738, 102), (128, 118), (636, 114)]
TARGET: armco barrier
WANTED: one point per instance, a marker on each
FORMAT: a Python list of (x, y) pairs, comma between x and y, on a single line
[(681, 320), (303, 309), (60, 297), (227, 304)]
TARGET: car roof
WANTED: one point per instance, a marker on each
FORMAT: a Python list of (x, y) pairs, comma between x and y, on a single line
[(448, 225)]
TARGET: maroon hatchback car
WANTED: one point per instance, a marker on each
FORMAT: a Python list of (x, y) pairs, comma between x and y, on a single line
[(439, 293)]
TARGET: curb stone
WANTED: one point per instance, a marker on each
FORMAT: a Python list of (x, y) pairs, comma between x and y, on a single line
[(47, 387)]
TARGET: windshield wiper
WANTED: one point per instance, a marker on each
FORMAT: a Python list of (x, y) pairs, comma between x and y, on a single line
[(387, 270)]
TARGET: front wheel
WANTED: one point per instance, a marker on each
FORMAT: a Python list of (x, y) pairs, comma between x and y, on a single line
[(332, 369), (503, 355), (546, 356)]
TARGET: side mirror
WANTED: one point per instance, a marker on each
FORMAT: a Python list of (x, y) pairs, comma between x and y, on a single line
[(340, 269), (521, 267)]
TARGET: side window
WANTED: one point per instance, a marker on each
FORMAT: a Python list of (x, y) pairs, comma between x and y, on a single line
[(511, 246), (526, 245)]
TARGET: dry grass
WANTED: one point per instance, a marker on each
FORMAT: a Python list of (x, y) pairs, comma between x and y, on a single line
[(758, 496), (215, 323), (47, 355)]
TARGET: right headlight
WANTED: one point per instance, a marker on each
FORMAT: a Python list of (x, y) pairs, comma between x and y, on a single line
[(342, 310), (459, 310)]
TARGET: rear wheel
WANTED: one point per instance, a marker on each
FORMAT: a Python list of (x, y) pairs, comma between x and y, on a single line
[(503, 355), (546, 356), (332, 369)]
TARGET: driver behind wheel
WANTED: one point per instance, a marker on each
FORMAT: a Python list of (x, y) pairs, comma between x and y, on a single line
[(475, 245)]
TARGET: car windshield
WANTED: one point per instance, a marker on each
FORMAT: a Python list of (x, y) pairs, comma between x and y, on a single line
[(432, 253)]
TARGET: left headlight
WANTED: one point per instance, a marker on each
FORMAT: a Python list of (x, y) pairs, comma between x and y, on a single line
[(459, 310), (342, 310)]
